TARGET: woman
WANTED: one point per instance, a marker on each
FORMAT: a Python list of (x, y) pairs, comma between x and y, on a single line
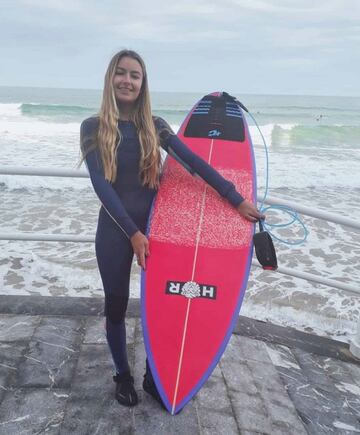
[(121, 148)]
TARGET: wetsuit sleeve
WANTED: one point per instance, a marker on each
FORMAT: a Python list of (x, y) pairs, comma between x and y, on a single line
[(103, 188), (195, 164)]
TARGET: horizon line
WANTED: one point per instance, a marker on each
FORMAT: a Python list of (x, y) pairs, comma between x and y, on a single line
[(186, 92)]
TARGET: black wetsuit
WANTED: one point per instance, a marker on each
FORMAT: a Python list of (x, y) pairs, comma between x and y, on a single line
[(125, 209)]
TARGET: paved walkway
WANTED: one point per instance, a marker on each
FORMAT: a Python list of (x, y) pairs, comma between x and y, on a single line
[(56, 378)]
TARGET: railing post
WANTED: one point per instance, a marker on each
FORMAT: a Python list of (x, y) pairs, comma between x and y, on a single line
[(355, 344)]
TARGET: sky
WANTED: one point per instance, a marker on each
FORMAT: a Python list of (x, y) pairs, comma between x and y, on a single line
[(244, 46)]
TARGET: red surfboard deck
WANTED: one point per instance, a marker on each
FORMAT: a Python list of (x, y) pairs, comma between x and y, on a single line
[(200, 253)]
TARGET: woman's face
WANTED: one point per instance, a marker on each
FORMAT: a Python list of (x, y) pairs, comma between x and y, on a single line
[(127, 80)]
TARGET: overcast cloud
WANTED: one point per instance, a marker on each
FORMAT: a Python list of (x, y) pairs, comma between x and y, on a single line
[(243, 46)]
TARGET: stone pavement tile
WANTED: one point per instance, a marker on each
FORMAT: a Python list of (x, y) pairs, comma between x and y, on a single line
[(250, 411), (293, 379), (320, 409), (251, 402), (309, 399), (282, 356), (318, 397), (346, 392), (337, 370), (279, 407), (245, 374), (257, 392), (99, 415), (277, 397), (92, 407), (94, 371), (351, 395), (260, 420), (96, 334), (32, 411), (345, 428), (138, 331), (354, 405), (95, 331), (150, 419), (312, 368), (238, 376), (281, 429), (251, 419), (317, 428), (10, 357), (242, 348), (214, 407), (355, 372), (217, 422), (18, 327), (342, 377), (282, 411), (139, 357), (300, 389), (130, 330), (352, 399), (285, 418), (51, 357), (266, 374), (139, 364)]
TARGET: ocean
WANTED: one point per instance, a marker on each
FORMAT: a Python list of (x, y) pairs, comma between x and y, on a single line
[(314, 155)]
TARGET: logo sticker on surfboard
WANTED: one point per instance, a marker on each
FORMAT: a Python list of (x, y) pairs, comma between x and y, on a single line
[(191, 289), (214, 133)]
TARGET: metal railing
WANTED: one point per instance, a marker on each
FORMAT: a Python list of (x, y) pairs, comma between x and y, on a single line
[(309, 211)]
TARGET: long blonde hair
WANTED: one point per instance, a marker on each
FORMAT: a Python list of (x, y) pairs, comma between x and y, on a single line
[(109, 137)]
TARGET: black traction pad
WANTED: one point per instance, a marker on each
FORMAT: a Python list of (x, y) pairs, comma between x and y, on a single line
[(217, 117)]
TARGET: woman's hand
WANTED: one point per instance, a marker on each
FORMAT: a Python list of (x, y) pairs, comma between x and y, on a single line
[(140, 246), (249, 211)]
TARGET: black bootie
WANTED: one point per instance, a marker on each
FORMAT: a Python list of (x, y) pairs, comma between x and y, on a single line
[(125, 392), (150, 387)]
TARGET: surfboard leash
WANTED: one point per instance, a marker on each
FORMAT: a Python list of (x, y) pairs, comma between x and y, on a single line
[(294, 217), (264, 226)]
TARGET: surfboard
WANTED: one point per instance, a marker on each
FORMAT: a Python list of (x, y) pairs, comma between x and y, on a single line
[(200, 253)]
